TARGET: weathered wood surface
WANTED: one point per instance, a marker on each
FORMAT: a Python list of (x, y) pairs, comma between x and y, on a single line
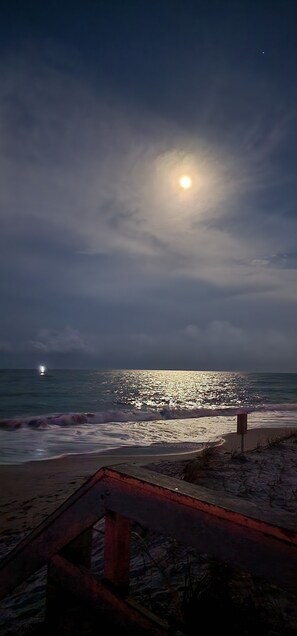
[(76, 515), (86, 589), (278, 524), (231, 529), (79, 551), (117, 551), (233, 534)]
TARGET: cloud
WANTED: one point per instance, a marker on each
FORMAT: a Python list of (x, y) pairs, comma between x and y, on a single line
[(98, 229), (5, 346), (220, 344), (253, 348), (68, 340)]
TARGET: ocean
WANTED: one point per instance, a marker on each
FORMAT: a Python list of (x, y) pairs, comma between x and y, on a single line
[(69, 412)]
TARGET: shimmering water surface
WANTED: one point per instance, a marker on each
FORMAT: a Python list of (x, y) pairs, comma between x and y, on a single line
[(65, 412)]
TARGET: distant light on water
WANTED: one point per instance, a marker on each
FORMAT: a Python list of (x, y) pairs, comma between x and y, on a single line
[(83, 411)]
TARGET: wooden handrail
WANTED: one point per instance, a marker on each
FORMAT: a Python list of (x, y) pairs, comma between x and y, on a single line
[(231, 529), (85, 588)]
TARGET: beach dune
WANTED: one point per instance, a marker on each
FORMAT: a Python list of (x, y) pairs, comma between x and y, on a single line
[(31, 491)]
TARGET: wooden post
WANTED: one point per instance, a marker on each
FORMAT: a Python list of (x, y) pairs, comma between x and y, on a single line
[(242, 427), (79, 551), (117, 551), (59, 607)]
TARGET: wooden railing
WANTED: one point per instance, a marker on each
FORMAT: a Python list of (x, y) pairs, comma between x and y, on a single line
[(230, 529)]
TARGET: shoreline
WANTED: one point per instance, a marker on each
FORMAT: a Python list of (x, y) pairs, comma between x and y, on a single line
[(29, 492), (266, 475)]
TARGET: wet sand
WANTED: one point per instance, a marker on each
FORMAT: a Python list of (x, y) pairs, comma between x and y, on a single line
[(31, 491), (267, 477)]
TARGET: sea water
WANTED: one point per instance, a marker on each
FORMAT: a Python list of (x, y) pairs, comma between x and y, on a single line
[(71, 411), (68, 412)]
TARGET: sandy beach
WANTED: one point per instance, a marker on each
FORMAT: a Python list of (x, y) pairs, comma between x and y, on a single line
[(266, 474), (31, 491)]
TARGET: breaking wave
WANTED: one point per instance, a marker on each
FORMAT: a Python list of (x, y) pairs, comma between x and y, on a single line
[(65, 420)]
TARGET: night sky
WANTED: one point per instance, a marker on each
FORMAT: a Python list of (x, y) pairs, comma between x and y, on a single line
[(106, 261)]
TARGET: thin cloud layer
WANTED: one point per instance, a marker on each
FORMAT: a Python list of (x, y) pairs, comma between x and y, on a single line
[(105, 258)]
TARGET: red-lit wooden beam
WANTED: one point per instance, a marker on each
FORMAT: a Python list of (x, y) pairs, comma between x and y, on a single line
[(231, 529), (117, 551), (89, 592), (235, 531)]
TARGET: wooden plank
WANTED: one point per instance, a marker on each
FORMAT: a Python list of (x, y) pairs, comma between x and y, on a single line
[(78, 513), (117, 551), (87, 589), (79, 551), (241, 511), (249, 547), (220, 525)]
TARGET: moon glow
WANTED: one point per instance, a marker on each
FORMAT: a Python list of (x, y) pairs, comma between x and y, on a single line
[(185, 182)]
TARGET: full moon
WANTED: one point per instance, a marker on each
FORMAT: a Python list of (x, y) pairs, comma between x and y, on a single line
[(185, 182)]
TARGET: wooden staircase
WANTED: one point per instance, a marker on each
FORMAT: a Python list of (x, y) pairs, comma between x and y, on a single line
[(230, 529)]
